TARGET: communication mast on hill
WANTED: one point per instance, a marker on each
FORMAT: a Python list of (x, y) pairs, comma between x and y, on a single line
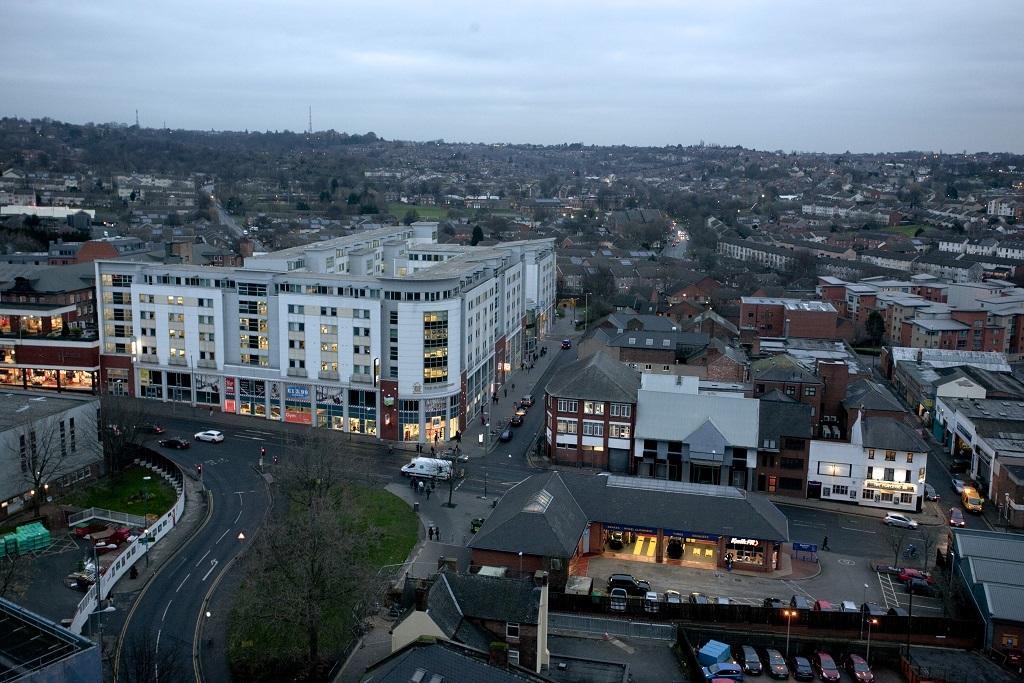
[(310, 119)]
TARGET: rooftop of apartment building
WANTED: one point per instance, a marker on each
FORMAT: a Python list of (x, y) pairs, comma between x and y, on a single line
[(941, 358), (790, 304), (23, 407)]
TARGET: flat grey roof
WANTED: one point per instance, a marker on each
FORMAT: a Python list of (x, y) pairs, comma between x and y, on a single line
[(21, 407)]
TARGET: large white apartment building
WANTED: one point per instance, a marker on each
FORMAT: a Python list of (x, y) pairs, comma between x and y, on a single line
[(383, 332)]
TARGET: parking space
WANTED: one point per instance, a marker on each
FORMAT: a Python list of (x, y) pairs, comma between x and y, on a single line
[(894, 594)]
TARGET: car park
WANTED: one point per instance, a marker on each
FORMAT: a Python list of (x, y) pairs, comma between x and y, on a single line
[(920, 587), (728, 670), (930, 493), (799, 602), (176, 443), (777, 667), (750, 661), (617, 599), (801, 668), (898, 520), (826, 667), (210, 436), (859, 669), (956, 517), (628, 583)]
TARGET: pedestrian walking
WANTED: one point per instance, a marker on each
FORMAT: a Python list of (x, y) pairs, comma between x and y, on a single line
[(483, 419), (431, 451), (506, 392), (513, 386), (430, 533), (429, 489), (824, 544), (437, 436), (437, 533), (420, 487)]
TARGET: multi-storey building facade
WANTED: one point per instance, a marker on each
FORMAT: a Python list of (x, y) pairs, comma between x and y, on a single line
[(383, 332)]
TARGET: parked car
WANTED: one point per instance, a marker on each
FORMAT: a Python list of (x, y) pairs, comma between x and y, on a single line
[(859, 669), (210, 436), (801, 668), (930, 493), (956, 517), (506, 434), (629, 583), (872, 609), (652, 603), (673, 598), (959, 466), (799, 602), (920, 587), (617, 600), (896, 519), (848, 606), (566, 343), (773, 603), (517, 420), (897, 612), (699, 599), (526, 401), (722, 601), (777, 667), (156, 429), (175, 442), (616, 540), (958, 485), (750, 661), (910, 574), (826, 667), (727, 670), (824, 606)]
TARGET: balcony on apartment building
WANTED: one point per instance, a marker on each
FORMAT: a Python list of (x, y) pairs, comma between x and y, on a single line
[(42, 321)]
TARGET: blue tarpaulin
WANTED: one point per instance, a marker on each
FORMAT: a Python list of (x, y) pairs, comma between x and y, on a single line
[(713, 651)]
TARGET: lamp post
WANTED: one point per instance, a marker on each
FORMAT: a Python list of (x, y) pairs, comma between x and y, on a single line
[(867, 653), (910, 615), (789, 614), (863, 601)]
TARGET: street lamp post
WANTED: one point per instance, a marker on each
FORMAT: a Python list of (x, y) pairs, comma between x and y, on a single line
[(789, 614), (910, 615), (863, 601), (867, 653)]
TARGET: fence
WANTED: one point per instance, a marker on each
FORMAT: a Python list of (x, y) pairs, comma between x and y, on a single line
[(578, 623), (121, 518), (106, 579)]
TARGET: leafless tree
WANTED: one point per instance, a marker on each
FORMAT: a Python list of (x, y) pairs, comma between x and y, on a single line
[(141, 661), (15, 573), (895, 538), (929, 542), (124, 422), (44, 447), (312, 558)]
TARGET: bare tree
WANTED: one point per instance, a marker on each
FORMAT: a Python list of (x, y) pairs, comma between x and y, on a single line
[(123, 424), (895, 537), (43, 447), (312, 558), (142, 661), (15, 574), (929, 542)]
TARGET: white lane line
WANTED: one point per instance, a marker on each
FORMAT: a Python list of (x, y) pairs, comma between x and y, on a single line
[(237, 516), (183, 581), (251, 438), (853, 528), (165, 612), (223, 535), (796, 587), (202, 558), (213, 565)]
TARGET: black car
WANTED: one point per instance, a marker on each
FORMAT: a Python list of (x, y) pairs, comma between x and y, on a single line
[(751, 662), (920, 587), (699, 599), (629, 583), (774, 603), (516, 421), (506, 434), (777, 667), (958, 466), (799, 602), (176, 443), (802, 669)]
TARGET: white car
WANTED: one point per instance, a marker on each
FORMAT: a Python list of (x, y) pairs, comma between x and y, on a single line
[(893, 519), (958, 486), (210, 435)]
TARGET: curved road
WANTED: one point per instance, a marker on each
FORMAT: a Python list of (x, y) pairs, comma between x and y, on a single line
[(170, 607)]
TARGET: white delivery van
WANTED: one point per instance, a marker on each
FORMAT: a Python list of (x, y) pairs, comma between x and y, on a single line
[(428, 468)]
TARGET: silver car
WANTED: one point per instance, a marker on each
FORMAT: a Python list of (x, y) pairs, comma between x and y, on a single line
[(894, 519)]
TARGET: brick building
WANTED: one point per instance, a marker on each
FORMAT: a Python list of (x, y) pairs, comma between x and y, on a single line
[(590, 413), (785, 374), (773, 317), (785, 430)]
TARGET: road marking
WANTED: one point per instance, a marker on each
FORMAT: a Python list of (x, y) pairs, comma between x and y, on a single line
[(796, 587), (202, 558), (251, 438), (885, 583), (213, 565), (237, 516), (853, 528), (167, 608), (223, 535), (241, 492), (185, 579)]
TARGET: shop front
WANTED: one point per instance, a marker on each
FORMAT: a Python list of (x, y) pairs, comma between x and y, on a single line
[(691, 548), (631, 542), (891, 494), (751, 553), (297, 407)]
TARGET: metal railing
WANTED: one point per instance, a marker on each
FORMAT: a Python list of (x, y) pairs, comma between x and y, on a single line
[(107, 515), (578, 623)]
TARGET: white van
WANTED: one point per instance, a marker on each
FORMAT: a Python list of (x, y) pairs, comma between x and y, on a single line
[(428, 468)]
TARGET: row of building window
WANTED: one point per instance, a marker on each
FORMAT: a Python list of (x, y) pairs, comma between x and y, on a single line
[(594, 408)]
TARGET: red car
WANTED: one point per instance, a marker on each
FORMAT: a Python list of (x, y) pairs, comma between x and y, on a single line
[(826, 667), (156, 429), (859, 669), (908, 573)]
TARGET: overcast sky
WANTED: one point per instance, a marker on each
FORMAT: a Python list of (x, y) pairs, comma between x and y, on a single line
[(814, 75)]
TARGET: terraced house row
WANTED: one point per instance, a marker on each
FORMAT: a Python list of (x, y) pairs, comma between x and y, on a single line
[(384, 332)]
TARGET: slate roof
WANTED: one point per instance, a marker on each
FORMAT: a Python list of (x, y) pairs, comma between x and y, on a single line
[(1001, 383), (991, 564), (596, 377), (650, 323), (786, 417), (495, 598), (870, 395), (451, 662), (672, 416), (72, 277), (890, 434), (537, 516), (781, 368), (629, 501)]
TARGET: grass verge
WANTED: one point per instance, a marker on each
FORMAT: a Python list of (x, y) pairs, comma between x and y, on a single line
[(135, 490)]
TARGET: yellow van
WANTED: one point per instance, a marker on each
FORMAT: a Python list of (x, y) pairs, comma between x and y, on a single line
[(971, 499)]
